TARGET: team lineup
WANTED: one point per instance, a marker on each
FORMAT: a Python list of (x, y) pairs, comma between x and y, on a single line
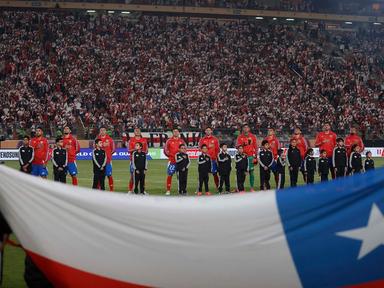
[(338, 157)]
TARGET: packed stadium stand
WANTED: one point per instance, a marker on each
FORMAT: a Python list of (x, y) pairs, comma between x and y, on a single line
[(160, 71)]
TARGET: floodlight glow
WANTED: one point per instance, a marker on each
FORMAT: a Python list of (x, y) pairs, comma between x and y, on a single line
[(290, 19), (91, 11), (348, 23), (259, 18), (125, 12)]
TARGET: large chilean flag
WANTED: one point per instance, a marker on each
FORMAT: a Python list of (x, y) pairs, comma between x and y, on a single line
[(324, 235)]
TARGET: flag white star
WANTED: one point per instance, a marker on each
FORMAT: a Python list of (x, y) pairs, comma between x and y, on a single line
[(372, 236)]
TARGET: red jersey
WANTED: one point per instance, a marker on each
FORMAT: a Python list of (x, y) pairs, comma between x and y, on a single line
[(302, 144), (274, 143), (172, 147), (326, 141), (249, 142), (72, 146), (212, 144), (132, 142), (40, 149), (352, 139), (108, 146)]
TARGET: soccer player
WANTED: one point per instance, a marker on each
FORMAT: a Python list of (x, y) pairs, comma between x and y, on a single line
[(213, 150), (241, 160), (266, 161), (249, 143), (369, 164), (340, 159), (26, 156), (280, 169), (310, 166), (40, 154), (355, 161), (326, 140), (353, 138), (302, 145), (294, 161), (99, 158), (138, 138), (182, 165), (73, 147), (274, 146), (204, 167), (224, 168), (171, 148), (108, 145), (139, 162), (323, 166), (60, 161)]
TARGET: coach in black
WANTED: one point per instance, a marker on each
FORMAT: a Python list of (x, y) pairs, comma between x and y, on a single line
[(99, 161), (182, 165), (60, 161), (224, 168), (139, 164), (294, 162), (266, 161), (26, 156)]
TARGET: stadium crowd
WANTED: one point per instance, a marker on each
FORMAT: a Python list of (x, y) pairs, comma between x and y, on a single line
[(156, 74)]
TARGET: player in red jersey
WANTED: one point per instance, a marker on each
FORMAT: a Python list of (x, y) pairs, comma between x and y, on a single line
[(302, 145), (41, 150), (353, 138), (108, 145), (326, 140), (274, 145), (72, 146), (171, 148), (213, 146), (137, 138), (249, 143)]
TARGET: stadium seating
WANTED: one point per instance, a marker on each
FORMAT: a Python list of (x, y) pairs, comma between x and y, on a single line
[(64, 67)]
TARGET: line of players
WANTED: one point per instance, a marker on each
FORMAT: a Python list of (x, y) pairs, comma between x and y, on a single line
[(335, 157)]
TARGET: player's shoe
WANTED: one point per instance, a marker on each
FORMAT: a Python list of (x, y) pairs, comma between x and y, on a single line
[(252, 190), (168, 193), (129, 192), (208, 193), (199, 193), (242, 192), (146, 193)]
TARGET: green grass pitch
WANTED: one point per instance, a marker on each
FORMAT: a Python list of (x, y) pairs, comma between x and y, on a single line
[(155, 185)]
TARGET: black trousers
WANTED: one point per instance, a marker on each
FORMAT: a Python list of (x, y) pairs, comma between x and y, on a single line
[(240, 176), (139, 181), (60, 176), (310, 177), (341, 171), (323, 177), (224, 179), (99, 180), (265, 176), (294, 174), (331, 168), (280, 181), (182, 176), (203, 180)]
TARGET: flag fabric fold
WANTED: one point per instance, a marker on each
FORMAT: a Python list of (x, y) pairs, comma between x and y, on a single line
[(324, 235)]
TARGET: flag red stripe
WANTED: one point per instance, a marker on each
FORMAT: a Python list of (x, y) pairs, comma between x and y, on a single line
[(373, 284), (63, 276)]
